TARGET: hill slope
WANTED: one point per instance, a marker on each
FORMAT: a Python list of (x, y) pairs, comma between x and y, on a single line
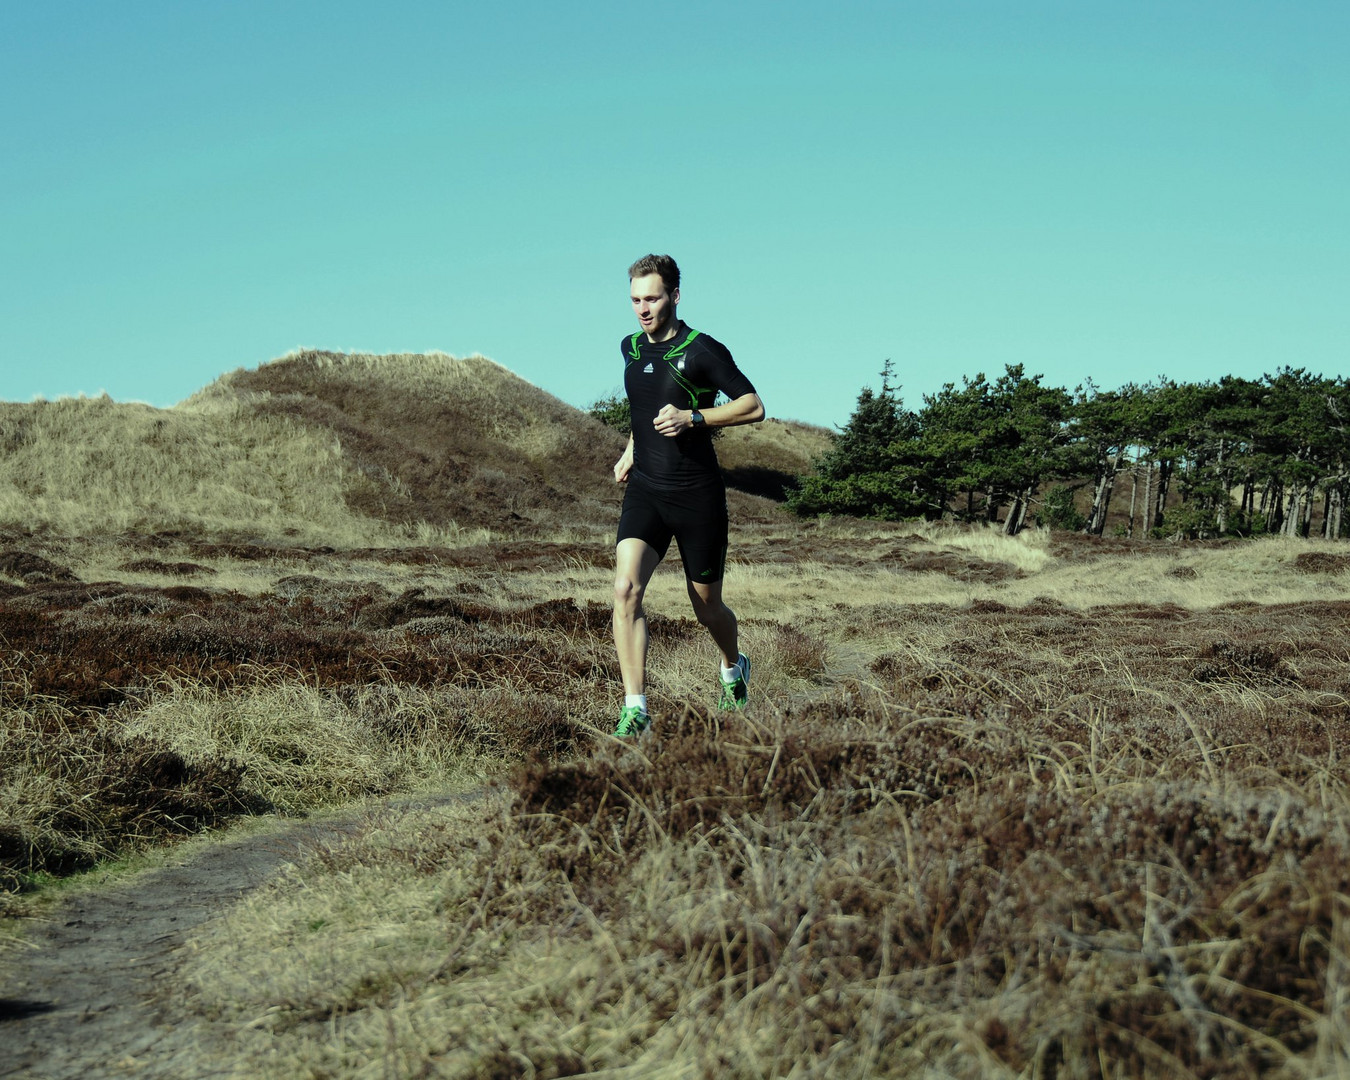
[(762, 459), (438, 439), (93, 466), (345, 450)]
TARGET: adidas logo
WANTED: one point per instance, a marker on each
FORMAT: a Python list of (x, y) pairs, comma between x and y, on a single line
[(647, 370)]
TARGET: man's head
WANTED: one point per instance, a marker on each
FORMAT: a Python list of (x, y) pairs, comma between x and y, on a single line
[(657, 264), (654, 286)]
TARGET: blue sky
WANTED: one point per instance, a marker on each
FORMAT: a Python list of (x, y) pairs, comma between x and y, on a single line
[(1104, 190)]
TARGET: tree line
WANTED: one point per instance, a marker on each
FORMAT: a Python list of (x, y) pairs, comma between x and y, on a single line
[(1232, 457)]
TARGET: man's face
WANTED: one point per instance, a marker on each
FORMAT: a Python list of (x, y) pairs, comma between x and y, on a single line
[(654, 307)]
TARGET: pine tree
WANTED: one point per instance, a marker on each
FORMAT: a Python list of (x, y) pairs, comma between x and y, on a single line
[(869, 471)]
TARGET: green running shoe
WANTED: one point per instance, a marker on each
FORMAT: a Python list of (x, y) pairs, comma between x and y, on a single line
[(734, 693), (632, 722)]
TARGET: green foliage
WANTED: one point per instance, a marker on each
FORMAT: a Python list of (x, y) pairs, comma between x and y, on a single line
[(994, 442), (866, 443), (1188, 521), (1235, 457), (613, 411), (871, 470), (887, 495), (1058, 510)]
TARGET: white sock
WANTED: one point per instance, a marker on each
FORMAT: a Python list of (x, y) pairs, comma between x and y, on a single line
[(635, 701), (731, 674)]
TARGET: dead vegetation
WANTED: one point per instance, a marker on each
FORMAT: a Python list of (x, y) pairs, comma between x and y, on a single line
[(135, 712), (1045, 806), (1031, 840), (441, 440), (1001, 838)]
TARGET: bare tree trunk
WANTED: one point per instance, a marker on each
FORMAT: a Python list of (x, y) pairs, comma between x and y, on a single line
[(1017, 513), (1289, 514), (1293, 514), (1221, 515), (1134, 491), (1145, 524), (1101, 500), (1164, 482)]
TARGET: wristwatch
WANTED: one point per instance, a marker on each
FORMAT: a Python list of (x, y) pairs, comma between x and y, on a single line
[(696, 419)]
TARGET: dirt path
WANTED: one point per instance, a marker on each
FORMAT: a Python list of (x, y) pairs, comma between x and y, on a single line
[(80, 999)]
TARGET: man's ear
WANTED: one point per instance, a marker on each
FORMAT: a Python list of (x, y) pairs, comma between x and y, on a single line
[(675, 296)]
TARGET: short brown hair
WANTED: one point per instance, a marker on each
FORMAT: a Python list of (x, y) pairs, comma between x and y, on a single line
[(657, 264)]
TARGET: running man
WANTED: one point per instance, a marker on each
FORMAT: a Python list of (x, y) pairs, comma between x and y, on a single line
[(674, 485)]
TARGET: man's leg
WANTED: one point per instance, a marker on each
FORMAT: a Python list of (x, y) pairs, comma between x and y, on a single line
[(717, 617), (721, 623), (635, 562)]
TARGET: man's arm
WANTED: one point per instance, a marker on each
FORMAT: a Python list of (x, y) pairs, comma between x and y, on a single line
[(746, 409), (624, 465)]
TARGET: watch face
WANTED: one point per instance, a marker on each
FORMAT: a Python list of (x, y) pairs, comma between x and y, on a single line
[(696, 418)]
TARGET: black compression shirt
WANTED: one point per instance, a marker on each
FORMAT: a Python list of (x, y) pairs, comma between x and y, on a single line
[(686, 371)]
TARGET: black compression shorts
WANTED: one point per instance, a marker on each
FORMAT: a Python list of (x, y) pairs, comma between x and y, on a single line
[(695, 517)]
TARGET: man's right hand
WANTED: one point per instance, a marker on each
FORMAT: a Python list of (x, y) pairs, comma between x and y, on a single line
[(624, 465)]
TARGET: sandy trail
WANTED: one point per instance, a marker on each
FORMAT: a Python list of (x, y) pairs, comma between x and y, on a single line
[(86, 996)]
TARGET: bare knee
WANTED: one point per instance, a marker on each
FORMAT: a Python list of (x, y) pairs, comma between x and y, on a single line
[(711, 612), (627, 596)]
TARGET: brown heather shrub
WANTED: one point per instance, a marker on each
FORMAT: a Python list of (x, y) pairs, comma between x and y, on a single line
[(440, 439), (92, 645), (32, 568), (798, 655), (1250, 662), (155, 566), (138, 712), (1038, 845), (953, 564), (502, 556), (1321, 562), (867, 882)]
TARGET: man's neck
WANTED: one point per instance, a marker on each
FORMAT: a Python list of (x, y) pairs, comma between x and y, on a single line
[(667, 332)]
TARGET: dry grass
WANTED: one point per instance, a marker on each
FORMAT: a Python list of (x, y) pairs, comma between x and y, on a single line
[(451, 442), (856, 889), (984, 840), (134, 712), (1033, 807), (77, 465), (315, 449)]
